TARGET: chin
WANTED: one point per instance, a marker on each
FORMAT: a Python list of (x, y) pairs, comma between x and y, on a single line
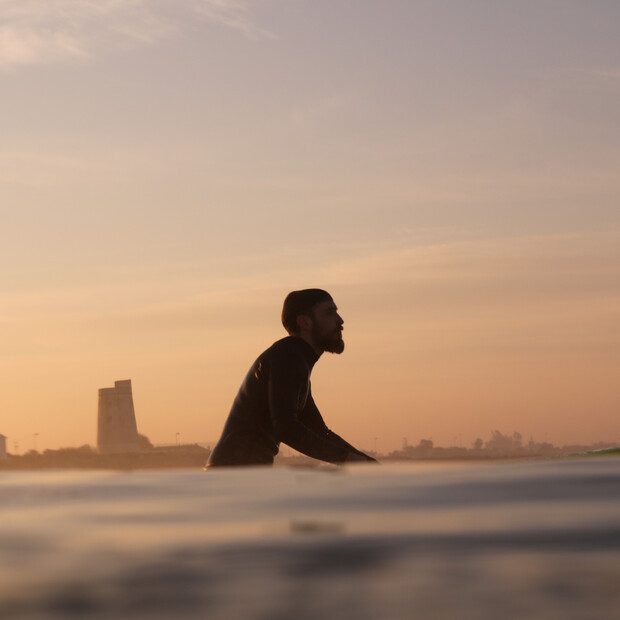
[(336, 347)]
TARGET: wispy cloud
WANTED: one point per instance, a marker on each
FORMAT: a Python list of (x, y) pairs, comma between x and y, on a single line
[(494, 272), (41, 32), (233, 14)]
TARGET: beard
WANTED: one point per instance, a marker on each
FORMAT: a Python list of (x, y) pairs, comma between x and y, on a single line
[(332, 342)]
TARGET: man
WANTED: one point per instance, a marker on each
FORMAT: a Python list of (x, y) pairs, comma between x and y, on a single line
[(275, 404)]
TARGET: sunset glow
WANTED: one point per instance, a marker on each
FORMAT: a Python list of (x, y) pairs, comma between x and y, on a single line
[(170, 170)]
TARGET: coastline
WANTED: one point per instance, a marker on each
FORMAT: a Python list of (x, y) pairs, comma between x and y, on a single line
[(195, 457)]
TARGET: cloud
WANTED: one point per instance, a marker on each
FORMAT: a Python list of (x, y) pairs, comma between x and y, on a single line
[(38, 32), (526, 271), (233, 14), (21, 45)]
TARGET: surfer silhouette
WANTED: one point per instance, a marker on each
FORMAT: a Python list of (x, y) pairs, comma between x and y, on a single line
[(274, 404)]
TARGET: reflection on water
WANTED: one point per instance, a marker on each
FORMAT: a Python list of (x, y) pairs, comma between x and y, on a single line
[(522, 540)]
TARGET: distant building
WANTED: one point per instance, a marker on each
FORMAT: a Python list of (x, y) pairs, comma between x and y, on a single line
[(116, 425), (3, 454)]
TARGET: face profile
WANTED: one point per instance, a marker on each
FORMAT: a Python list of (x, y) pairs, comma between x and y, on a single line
[(326, 331)]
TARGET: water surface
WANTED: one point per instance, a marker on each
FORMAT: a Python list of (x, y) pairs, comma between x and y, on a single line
[(537, 539)]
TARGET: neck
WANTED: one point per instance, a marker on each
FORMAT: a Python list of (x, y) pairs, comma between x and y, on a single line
[(308, 338)]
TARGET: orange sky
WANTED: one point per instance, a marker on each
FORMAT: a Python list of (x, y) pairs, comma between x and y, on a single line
[(169, 171)]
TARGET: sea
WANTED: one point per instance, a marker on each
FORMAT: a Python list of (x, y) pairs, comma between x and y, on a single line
[(536, 539)]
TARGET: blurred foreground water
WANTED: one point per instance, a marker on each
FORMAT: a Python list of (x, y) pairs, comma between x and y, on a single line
[(514, 540)]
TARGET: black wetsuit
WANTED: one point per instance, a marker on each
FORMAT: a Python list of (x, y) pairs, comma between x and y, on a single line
[(273, 405)]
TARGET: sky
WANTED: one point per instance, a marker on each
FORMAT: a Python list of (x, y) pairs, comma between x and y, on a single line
[(447, 169)]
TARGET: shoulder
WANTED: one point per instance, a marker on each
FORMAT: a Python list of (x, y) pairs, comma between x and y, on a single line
[(290, 355), (290, 346)]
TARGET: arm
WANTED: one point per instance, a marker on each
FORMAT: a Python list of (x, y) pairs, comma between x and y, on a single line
[(314, 420), (288, 394), (354, 453)]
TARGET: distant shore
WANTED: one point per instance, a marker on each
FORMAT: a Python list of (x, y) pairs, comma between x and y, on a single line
[(195, 456), (172, 457)]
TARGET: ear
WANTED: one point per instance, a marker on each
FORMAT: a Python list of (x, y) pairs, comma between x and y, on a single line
[(304, 322)]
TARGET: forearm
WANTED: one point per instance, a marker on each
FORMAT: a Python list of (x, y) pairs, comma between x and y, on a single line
[(299, 437), (339, 441)]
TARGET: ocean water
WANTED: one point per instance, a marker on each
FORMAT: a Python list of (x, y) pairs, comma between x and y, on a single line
[(526, 540)]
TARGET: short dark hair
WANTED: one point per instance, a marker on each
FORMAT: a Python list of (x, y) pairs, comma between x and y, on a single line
[(301, 302)]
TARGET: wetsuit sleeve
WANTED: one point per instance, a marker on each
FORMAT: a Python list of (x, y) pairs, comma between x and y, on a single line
[(287, 391), (313, 418), (339, 441)]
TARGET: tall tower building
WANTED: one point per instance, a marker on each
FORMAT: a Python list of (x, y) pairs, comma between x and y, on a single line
[(116, 428), (3, 454)]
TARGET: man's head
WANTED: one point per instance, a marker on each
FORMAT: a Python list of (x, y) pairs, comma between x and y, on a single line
[(313, 315)]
